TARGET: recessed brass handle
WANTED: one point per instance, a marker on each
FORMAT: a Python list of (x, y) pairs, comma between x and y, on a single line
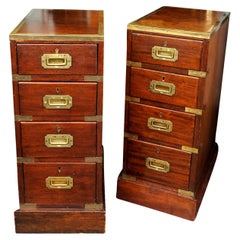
[(59, 182), (56, 60), (59, 140), (57, 101), (164, 88), (160, 124), (165, 53), (157, 165)]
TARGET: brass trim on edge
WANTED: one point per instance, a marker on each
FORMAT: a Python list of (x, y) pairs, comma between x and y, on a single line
[(193, 110), (190, 149), (185, 193), (195, 73), (179, 32)]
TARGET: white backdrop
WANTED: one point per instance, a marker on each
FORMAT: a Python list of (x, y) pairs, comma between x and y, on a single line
[(219, 212)]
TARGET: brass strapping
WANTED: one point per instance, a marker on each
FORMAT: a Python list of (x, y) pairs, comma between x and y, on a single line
[(94, 78), (97, 118), (23, 78), (190, 149), (93, 159), (134, 64), (94, 206), (195, 73), (132, 99), (185, 193), (24, 118), (130, 135), (193, 110)]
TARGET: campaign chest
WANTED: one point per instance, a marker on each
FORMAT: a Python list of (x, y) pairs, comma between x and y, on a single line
[(57, 73), (175, 59)]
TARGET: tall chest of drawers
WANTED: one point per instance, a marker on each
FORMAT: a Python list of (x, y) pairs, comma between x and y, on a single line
[(57, 67), (175, 59)]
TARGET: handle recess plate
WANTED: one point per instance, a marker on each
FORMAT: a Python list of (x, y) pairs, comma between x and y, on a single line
[(59, 140), (57, 101), (165, 53), (56, 60), (160, 124), (157, 165), (164, 88), (59, 182)]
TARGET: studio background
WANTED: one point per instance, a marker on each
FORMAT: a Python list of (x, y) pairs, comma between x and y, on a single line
[(219, 213)]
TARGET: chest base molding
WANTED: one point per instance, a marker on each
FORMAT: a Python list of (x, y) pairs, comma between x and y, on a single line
[(46, 220)]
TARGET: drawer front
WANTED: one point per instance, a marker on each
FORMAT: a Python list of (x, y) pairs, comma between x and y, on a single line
[(57, 58), (58, 139), (58, 184), (166, 51), (164, 87), (165, 165), (64, 99), (161, 125)]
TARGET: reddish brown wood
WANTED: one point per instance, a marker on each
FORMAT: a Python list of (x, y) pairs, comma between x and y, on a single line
[(189, 51), (157, 196), (179, 163), (33, 139), (57, 22), (197, 20), (55, 221), (83, 98), (200, 37), (182, 124), (84, 58), (185, 93), (79, 34), (82, 192)]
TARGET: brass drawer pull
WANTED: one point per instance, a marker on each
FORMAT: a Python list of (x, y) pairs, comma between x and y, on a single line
[(165, 53), (157, 165), (59, 140), (56, 60), (164, 88), (57, 101), (59, 182), (159, 124)]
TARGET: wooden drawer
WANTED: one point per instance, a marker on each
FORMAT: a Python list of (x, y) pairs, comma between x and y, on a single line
[(58, 139), (65, 99), (168, 166), (166, 51), (164, 87), (59, 184), (57, 58), (161, 125)]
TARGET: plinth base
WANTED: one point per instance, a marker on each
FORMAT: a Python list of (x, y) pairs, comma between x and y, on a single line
[(44, 220)]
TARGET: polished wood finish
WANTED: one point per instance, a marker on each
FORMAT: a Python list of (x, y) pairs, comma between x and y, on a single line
[(58, 119), (182, 107)]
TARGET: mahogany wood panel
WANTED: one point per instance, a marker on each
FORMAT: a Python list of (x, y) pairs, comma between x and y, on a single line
[(47, 220), (179, 163), (189, 51), (56, 22), (36, 191), (33, 139), (83, 96), (183, 124), (185, 92), (84, 58)]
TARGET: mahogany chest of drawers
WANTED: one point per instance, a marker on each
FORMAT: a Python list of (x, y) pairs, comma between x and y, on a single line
[(175, 59), (57, 67)]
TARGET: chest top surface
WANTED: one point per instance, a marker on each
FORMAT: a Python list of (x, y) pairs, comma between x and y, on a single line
[(181, 21), (48, 24)]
